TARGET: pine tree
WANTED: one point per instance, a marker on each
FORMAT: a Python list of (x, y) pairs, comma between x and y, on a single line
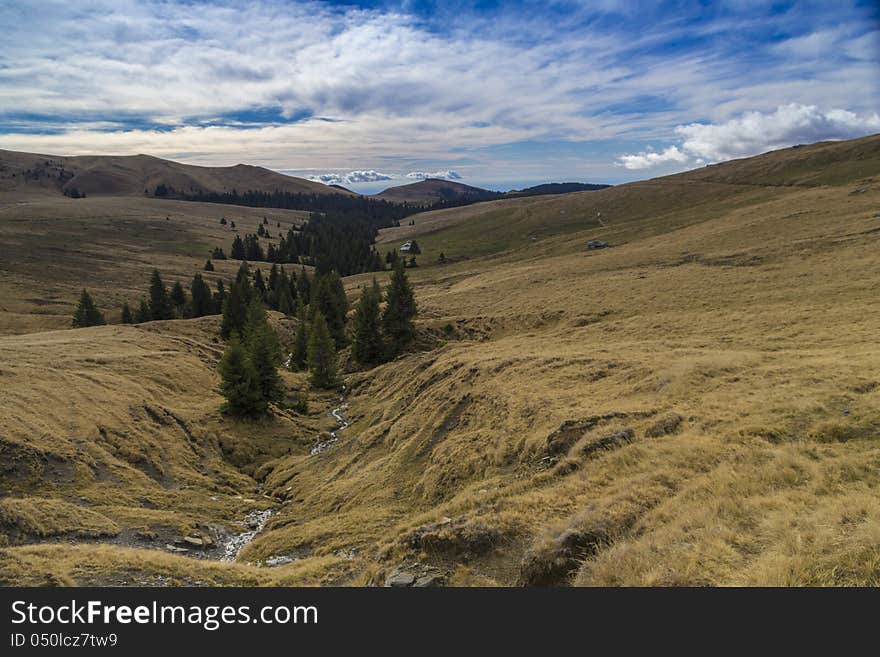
[(239, 383), (237, 252), (304, 287), (87, 313), (300, 355), (202, 303), (328, 297), (273, 277), (367, 346), (219, 297), (160, 304), (234, 311), (259, 284), (265, 355), (126, 314), (321, 354), (209, 266), (178, 298), (286, 302), (143, 312), (397, 320)]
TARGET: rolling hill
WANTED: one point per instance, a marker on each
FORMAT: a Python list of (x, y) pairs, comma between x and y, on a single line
[(695, 405), (28, 174), (431, 190)]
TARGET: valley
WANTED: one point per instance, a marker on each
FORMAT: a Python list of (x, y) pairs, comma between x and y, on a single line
[(696, 404)]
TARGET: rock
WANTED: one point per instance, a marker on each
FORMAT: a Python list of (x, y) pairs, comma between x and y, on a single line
[(431, 579), (194, 541), (174, 548), (400, 579)]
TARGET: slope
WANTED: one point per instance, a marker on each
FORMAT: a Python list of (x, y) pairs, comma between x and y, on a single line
[(29, 174)]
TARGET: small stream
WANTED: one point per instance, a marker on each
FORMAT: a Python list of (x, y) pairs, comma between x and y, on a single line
[(255, 521), (338, 414)]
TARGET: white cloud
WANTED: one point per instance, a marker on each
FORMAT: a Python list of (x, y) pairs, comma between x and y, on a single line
[(445, 175), (650, 158), (756, 132), (351, 178)]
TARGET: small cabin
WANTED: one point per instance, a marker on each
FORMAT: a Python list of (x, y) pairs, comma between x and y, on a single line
[(407, 247), (597, 244)]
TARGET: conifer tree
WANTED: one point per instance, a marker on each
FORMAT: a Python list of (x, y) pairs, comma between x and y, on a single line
[(265, 355), (259, 284), (237, 252), (299, 358), (202, 303), (397, 320), (321, 354), (304, 287), (367, 347), (239, 383), (219, 297), (126, 314), (87, 313), (209, 266), (160, 304), (328, 297), (143, 312), (273, 277), (235, 308), (286, 303), (178, 298)]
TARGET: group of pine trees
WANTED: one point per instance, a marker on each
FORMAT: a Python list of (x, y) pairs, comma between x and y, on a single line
[(176, 304), (249, 366), (381, 335)]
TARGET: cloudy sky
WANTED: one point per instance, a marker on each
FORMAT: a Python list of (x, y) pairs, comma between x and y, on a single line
[(501, 94)]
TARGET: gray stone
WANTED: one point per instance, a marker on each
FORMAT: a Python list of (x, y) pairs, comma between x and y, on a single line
[(399, 579)]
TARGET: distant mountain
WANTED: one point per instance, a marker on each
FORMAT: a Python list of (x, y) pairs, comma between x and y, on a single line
[(431, 190), (135, 175), (556, 188)]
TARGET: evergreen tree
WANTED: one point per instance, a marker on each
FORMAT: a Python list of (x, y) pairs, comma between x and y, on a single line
[(239, 382), (87, 313), (143, 312), (178, 298), (202, 303), (209, 266), (219, 297), (299, 358), (321, 354), (329, 299), (259, 284), (265, 355), (397, 320), (367, 346), (235, 309), (273, 277), (304, 287), (222, 221), (286, 302), (160, 304), (126, 314), (237, 252)]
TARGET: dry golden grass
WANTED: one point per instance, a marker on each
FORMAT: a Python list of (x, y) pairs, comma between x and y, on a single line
[(697, 405)]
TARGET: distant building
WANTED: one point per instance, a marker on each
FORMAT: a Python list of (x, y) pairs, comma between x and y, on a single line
[(597, 244), (411, 246)]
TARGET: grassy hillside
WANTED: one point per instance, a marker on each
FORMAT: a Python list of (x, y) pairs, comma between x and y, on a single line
[(30, 174), (697, 404), (430, 191), (57, 246)]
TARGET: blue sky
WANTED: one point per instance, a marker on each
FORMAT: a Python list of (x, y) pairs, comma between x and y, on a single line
[(500, 94)]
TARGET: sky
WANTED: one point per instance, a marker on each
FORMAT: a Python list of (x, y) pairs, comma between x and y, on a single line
[(496, 94)]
